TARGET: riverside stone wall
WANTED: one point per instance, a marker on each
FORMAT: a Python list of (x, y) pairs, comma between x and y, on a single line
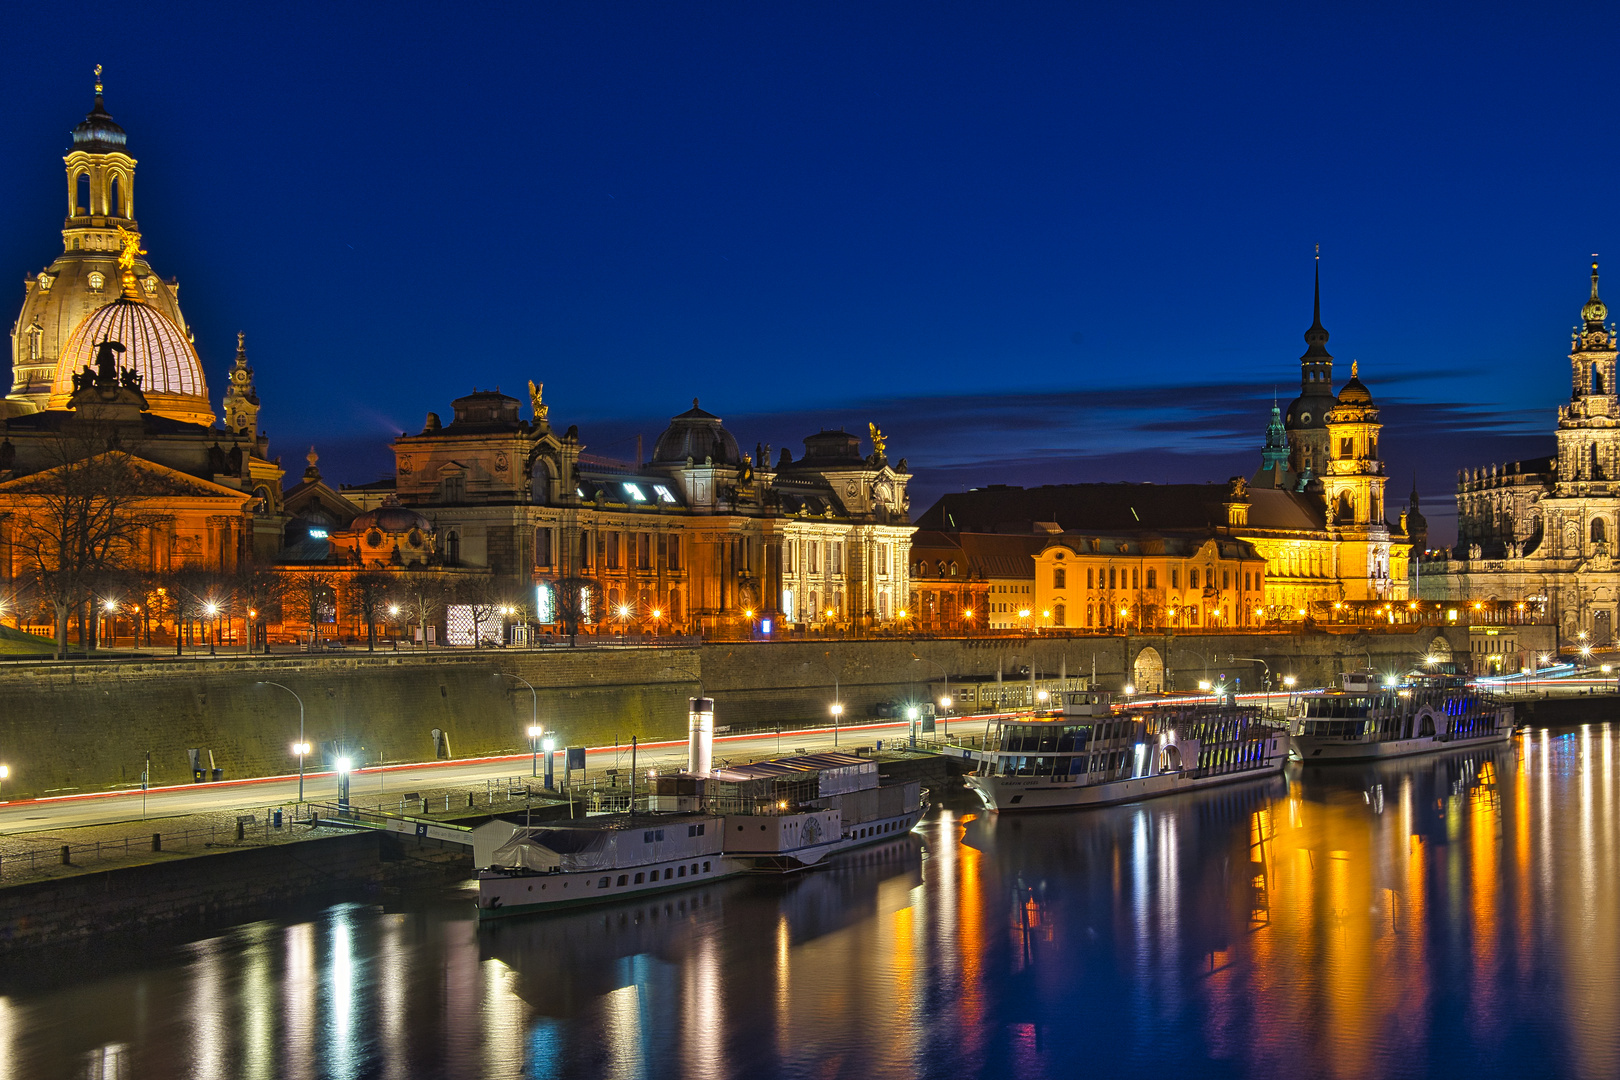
[(214, 890), (89, 726)]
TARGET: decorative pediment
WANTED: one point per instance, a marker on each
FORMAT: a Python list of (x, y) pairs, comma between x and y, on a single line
[(150, 480)]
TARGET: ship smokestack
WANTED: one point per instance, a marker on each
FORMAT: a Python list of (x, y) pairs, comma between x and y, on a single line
[(700, 736)]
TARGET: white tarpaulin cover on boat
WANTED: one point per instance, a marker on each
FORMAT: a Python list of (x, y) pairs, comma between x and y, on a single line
[(553, 849)]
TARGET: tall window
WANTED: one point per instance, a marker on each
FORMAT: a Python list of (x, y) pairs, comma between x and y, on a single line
[(1060, 615), (1152, 578), (612, 560), (1347, 448), (452, 548), (835, 559), (1597, 530), (1111, 579), (1175, 576), (542, 546), (674, 553), (1136, 578), (1059, 578), (1090, 582), (1192, 578)]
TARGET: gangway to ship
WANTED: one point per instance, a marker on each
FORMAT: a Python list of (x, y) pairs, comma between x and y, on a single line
[(337, 815)]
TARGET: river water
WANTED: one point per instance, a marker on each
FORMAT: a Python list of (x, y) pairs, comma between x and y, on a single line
[(1443, 916)]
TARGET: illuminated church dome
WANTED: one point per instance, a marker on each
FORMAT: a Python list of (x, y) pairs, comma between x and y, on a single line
[(171, 375)]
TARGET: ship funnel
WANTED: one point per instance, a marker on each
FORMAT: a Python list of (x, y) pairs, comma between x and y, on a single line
[(700, 736)]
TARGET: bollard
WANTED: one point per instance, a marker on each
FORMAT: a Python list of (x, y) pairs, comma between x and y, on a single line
[(469, 800), (66, 855), (157, 841), (276, 818), (241, 834)]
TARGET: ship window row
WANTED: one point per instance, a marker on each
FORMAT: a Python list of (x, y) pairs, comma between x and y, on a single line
[(670, 873)]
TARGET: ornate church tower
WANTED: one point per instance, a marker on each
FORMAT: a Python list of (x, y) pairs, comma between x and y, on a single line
[(1353, 489), (1306, 422), (1588, 441), (241, 400), (86, 276), (1274, 471)]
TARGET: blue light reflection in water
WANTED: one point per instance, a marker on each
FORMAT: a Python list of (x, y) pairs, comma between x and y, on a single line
[(1441, 916)]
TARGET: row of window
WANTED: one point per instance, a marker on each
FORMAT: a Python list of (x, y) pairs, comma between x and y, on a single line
[(670, 874), (1097, 579), (613, 550)]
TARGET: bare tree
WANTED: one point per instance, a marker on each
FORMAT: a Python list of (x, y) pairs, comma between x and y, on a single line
[(578, 600), (310, 597), (258, 591), (421, 594), (85, 516), (369, 595)]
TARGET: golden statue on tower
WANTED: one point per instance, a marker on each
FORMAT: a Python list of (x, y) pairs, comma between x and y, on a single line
[(878, 439), (130, 247), (540, 409)]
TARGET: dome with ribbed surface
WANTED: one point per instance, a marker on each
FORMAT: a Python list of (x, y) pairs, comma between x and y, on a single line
[(158, 351)]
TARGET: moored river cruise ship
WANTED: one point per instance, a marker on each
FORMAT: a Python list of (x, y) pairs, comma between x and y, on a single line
[(771, 816), (1094, 753), (1370, 717)]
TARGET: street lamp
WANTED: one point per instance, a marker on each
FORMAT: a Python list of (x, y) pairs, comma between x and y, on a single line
[(911, 725), (344, 765), (212, 610), (534, 706), (300, 747), (5, 772), (534, 749), (837, 705)]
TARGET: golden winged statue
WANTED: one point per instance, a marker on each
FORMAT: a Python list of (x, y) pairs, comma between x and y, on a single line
[(540, 409), (878, 439)]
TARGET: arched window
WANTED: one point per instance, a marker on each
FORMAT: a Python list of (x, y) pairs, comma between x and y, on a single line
[(1597, 530), (1152, 578), (452, 548), (1347, 510), (1597, 380), (81, 198), (1060, 615), (115, 200)]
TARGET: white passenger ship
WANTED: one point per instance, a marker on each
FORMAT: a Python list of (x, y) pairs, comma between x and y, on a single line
[(1370, 717), (768, 816), (1094, 753)]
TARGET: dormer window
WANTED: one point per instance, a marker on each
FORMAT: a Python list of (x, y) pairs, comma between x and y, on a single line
[(634, 492), (663, 494)]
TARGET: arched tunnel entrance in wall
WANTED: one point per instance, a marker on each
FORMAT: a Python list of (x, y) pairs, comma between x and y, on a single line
[(1147, 674)]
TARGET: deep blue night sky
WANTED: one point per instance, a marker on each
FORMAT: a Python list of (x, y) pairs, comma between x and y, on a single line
[(1035, 243)]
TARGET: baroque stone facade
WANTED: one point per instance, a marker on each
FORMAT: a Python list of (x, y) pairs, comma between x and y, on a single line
[(700, 536), (1542, 531)]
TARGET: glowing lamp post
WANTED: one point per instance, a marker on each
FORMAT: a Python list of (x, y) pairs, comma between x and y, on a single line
[(534, 749), (534, 713), (549, 744), (5, 773), (837, 711), (212, 611), (344, 767), (301, 748), (911, 725)]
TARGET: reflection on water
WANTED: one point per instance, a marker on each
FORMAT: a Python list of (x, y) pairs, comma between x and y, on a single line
[(1435, 916)]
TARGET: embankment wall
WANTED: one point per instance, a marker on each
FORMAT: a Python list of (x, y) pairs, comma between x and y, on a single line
[(219, 888), (82, 726)]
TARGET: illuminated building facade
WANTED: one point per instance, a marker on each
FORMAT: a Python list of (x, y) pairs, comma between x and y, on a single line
[(1542, 531), (102, 360), (1314, 514), (699, 536)]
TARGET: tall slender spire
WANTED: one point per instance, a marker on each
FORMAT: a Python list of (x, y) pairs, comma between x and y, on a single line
[(1316, 338)]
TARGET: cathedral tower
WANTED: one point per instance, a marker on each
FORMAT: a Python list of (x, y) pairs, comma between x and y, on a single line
[(241, 399), (86, 276), (1588, 442), (1306, 422), (1353, 489)]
